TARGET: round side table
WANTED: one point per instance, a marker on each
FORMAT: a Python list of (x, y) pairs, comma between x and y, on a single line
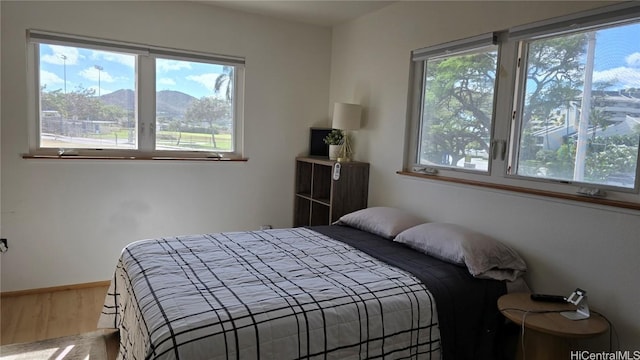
[(546, 330)]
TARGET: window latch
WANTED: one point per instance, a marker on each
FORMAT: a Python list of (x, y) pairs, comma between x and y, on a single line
[(494, 149), (498, 146), (591, 192)]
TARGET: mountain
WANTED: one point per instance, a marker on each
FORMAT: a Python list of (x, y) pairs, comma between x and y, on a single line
[(124, 98), (168, 102), (172, 103)]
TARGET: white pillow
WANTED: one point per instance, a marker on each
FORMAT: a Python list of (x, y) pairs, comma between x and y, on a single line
[(383, 221), (483, 256)]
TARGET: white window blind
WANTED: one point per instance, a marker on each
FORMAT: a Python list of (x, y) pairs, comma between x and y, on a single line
[(583, 21), (453, 47), (36, 36)]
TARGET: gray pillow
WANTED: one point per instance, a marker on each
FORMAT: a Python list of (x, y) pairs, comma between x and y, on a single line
[(383, 221), (483, 256)]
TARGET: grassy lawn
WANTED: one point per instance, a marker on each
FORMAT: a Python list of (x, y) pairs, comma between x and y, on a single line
[(169, 139), (197, 141)]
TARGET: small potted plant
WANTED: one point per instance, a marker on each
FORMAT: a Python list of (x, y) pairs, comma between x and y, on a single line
[(334, 140)]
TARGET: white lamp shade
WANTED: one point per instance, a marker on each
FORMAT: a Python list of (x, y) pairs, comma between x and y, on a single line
[(346, 116)]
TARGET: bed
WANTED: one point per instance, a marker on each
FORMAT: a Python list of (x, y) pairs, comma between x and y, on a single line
[(325, 292)]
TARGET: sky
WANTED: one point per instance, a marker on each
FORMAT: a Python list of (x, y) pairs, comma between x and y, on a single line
[(617, 56), (74, 67)]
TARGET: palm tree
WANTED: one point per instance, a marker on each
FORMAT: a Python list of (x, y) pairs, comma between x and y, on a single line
[(598, 118), (225, 77)]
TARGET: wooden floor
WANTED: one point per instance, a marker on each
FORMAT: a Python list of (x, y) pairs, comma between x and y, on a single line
[(51, 314)]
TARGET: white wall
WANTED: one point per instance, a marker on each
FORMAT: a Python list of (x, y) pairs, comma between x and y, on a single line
[(565, 244), (67, 221)]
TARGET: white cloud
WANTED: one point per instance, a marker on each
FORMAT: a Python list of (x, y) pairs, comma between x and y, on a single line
[(48, 78), (633, 59), (163, 65), (61, 55), (124, 59), (93, 74), (622, 77), (207, 80), (166, 81)]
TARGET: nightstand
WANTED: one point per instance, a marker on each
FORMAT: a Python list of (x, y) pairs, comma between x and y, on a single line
[(322, 195), (546, 331)]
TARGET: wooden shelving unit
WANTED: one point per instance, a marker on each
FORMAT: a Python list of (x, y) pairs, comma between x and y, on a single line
[(321, 200)]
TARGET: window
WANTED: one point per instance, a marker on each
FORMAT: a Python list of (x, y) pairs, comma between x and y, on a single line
[(98, 97), (194, 111), (547, 108), (580, 117), (456, 115)]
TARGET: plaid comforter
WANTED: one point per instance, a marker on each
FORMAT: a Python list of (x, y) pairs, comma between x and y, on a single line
[(273, 294)]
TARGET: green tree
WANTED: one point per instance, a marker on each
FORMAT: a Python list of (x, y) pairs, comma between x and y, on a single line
[(458, 106), (172, 124), (564, 163), (53, 101), (459, 92), (215, 113), (225, 78), (80, 104), (598, 118), (554, 75), (614, 156)]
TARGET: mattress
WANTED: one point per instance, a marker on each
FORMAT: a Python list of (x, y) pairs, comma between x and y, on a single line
[(325, 292), (275, 294)]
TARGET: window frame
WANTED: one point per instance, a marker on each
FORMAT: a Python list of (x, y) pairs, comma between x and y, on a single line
[(506, 122), (145, 108), (420, 58), (524, 43)]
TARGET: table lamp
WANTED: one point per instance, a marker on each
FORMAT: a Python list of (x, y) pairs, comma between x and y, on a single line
[(346, 117)]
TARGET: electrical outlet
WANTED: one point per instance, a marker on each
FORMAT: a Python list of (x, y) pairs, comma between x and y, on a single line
[(3, 245)]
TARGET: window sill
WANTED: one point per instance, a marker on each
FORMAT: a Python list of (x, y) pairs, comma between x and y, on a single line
[(131, 157), (551, 194)]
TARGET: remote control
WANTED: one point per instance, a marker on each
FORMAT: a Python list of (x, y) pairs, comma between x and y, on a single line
[(336, 171), (548, 298)]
